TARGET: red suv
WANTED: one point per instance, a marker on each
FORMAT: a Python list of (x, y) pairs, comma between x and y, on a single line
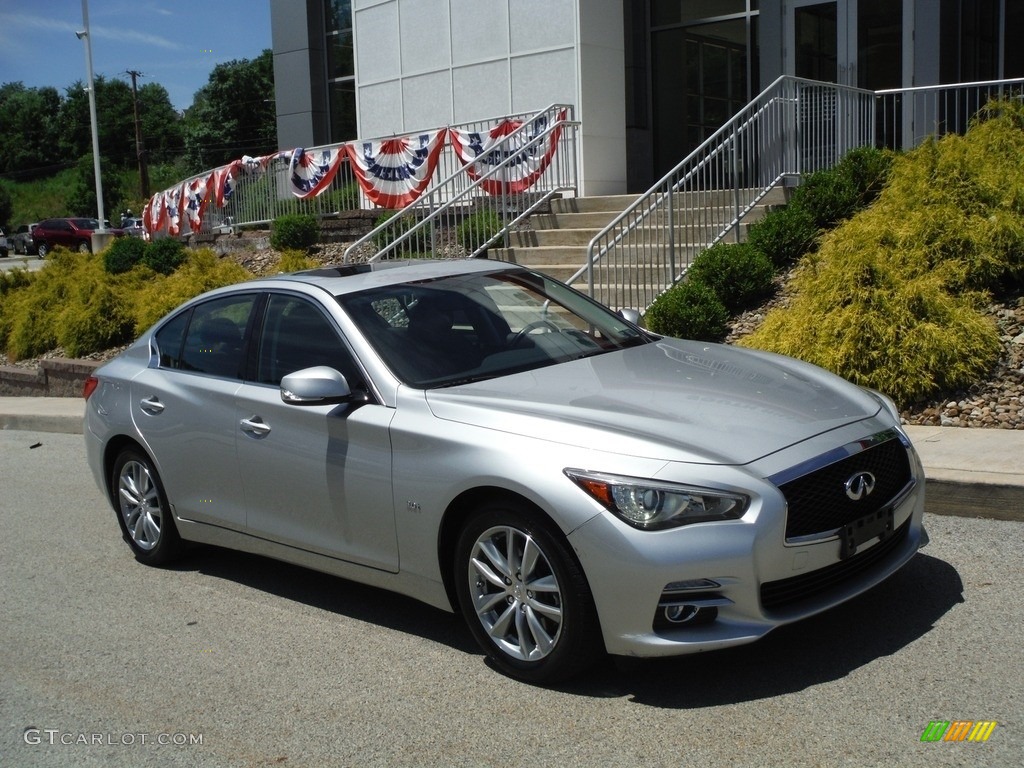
[(73, 233)]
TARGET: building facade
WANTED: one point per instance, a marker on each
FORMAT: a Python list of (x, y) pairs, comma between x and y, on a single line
[(649, 79)]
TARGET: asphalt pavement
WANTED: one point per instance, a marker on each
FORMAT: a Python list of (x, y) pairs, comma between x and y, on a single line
[(229, 660), (969, 472)]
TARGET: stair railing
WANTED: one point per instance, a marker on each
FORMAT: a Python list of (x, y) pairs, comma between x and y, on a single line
[(793, 127), (478, 204)]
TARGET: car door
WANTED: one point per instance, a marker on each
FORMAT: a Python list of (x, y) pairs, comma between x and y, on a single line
[(184, 407), (316, 477)]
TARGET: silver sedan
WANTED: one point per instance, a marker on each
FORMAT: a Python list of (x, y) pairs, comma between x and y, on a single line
[(484, 439)]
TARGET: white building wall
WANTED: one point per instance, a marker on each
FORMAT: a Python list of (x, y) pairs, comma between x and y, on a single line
[(426, 63)]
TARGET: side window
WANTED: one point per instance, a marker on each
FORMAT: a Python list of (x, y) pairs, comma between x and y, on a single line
[(214, 340), (168, 340), (297, 335)]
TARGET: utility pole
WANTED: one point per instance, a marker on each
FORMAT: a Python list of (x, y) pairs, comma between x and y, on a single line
[(140, 151)]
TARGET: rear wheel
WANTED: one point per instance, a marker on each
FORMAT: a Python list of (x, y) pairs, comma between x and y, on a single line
[(524, 595), (41, 250), (142, 509)]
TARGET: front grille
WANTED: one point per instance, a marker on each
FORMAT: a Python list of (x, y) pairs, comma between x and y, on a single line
[(818, 503), (786, 592)]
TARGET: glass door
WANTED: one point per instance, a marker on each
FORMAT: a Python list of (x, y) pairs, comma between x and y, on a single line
[(821, 41)]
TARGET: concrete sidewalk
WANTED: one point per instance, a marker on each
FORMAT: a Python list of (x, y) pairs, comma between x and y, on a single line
[(970, 472)]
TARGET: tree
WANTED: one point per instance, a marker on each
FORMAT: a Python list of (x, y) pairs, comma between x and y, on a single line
[(82, 195), (233, 114), (28, 129), (114, 118), (161, 124)]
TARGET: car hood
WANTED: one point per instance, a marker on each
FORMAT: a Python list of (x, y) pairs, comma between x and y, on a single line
[(673, 400)]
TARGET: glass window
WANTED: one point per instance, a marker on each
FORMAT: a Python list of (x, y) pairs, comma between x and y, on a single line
[(455, 330), (339, 15), (214, 343), (297, 335), (342, 95), (340, 57), (168, 340)]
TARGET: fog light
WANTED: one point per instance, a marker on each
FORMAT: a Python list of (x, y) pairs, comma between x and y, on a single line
[(681, 614)]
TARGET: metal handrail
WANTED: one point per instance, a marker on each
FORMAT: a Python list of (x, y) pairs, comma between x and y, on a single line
[(426, 227), (794, 126)]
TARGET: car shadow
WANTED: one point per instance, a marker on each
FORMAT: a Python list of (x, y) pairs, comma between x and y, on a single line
[(825, 647), (330, 593), (820, 649)]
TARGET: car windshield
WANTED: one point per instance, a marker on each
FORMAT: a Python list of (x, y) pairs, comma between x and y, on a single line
[(464, 328), (86, 223)]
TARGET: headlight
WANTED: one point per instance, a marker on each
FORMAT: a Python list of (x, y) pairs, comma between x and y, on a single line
[(651, 505)]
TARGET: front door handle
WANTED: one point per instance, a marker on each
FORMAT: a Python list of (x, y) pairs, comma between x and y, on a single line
[(256, 426), (151, 405)]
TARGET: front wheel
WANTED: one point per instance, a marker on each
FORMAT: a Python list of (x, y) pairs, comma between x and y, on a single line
[(142, 509), (41, 250), (83, 247), (524, 595)]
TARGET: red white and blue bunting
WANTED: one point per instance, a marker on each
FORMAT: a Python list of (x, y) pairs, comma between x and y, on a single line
[(196, 196), (527, 157), (172, 206), (311, 173), (393, 173), (224, 182)]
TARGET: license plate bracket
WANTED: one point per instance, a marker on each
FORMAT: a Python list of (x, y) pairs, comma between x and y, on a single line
[(877, 525)]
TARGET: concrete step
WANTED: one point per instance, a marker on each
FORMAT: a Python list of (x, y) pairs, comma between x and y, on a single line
[(619, 203), (540, 238)]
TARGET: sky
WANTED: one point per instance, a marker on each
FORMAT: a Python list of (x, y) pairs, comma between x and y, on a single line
[(173, 43)]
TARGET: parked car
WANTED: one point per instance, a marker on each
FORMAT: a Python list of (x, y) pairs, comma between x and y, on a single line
[(133, 227), (73, 233), (21, 241), (3, 244), (485, 439)]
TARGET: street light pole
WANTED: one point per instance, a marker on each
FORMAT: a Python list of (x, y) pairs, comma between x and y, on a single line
[(84, 35)]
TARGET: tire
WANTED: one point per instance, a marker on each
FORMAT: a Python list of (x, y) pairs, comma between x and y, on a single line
[(42, 250), (83, 247), (537, 635), (143, 512)]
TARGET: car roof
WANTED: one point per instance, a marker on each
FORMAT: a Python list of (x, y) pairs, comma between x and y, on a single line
[(349, 278)]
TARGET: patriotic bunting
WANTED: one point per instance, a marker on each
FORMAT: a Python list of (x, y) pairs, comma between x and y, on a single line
[(310, 173), (196, 197), (172, 206), (154, 216), (393, 173), (528, 161), (224, 182)]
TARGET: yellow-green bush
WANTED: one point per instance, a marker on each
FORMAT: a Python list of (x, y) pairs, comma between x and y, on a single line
[(294, 261), (891, 299), (75, 303), (159, 294)]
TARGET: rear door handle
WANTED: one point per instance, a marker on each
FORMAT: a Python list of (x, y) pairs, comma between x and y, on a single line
[(151, 405), (254, 425)]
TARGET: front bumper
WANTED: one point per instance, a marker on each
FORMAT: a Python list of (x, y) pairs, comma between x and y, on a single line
[(745, 574)]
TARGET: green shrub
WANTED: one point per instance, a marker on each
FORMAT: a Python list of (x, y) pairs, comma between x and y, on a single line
[(165, 255), (739, 274), (417, 243), (123, 254), (294, 261), (294, 231), (345, 198), (477, 229), (688, 310), (784, 235)]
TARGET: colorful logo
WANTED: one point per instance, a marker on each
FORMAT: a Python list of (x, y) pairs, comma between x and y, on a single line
[(958, 730)]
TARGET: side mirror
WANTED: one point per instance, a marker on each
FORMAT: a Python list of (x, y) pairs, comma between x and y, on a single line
[(320, 385), (631, 315)]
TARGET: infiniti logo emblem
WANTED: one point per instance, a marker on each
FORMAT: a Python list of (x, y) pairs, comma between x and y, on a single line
[(860, 485)]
